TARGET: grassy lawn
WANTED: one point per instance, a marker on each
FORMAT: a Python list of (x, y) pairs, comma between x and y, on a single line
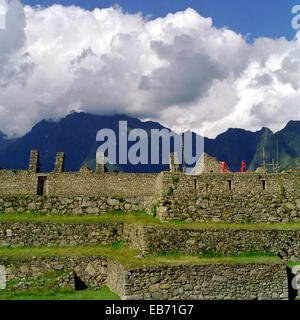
[(139, 218), (60, 294), (127, 256)]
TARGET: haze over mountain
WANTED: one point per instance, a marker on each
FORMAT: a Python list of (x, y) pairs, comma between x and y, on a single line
[(76, 136)]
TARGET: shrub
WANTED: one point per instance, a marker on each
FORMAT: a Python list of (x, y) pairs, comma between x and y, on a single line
[(282, 191), (170, 192), (117, 244), (175, 179), (247, 219), (154, 211)]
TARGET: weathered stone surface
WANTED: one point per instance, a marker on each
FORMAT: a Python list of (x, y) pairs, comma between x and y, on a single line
[(202, 282), (253, 198), (142, 238), (31, 234), (19, 269), (72, 205), (212, 240), (236, 198)]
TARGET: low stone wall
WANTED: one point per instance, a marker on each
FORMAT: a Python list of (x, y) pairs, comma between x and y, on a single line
[(33, 234), (196, 282), (221, 241), (17, 182), (120, 184), (230, 207), (207, 282), (152, 239), (83, 183), (69, 205), (91, 270), (238, 198)]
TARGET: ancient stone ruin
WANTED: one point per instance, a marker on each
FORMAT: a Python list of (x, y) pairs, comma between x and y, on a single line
[(205, 196)]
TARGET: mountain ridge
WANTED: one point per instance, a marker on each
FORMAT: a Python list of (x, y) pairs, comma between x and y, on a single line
[(75, 135)]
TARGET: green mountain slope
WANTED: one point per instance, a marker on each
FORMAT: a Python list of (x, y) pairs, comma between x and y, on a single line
[(294, 165), (288, 147)]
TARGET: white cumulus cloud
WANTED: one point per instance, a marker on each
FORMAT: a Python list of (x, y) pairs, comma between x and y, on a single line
[(179, 70)]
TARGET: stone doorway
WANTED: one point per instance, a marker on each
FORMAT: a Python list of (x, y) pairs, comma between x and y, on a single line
[(41, 186)]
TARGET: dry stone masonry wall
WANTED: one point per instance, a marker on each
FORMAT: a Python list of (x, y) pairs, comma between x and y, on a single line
[(209, 197), (69, 205), (213, 281), (207, 282), (153, 240), (285, 243), (32, 234), (83, 183), (238, 198), (216, 197), (91, 270)]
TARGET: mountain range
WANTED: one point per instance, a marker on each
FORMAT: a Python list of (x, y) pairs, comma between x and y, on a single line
[(76, 136)]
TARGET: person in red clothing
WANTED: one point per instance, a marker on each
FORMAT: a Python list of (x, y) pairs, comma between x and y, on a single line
[(223, 164), (243, 166)]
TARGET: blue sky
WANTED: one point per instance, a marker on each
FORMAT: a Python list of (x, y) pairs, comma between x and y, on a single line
[(259, 18)]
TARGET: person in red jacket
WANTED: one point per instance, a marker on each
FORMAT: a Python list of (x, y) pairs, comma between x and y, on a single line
[(243, 166), (223, 164)]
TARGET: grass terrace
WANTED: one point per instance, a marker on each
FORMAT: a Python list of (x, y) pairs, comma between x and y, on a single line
[(140, 218), (128, 257), (59, 294)]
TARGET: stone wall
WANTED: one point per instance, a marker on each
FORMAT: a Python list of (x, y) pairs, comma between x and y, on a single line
[(91, 270), (206, 282), (59, 162), (116, 277), (196, 282), (153, 240), (133, 237), (102, 184), (83, 183), (238, 198), (33, 234), (18, 182), (285, 243), (208, 164), (34, 162), (70, 205)]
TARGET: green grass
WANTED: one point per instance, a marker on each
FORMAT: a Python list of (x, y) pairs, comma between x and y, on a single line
[(127, 256), (242, 258), (60, 294), (139, 218), (291, 264), (110, 217), (115, 251)]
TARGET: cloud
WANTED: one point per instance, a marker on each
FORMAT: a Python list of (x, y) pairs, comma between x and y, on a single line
[(179, 70)]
